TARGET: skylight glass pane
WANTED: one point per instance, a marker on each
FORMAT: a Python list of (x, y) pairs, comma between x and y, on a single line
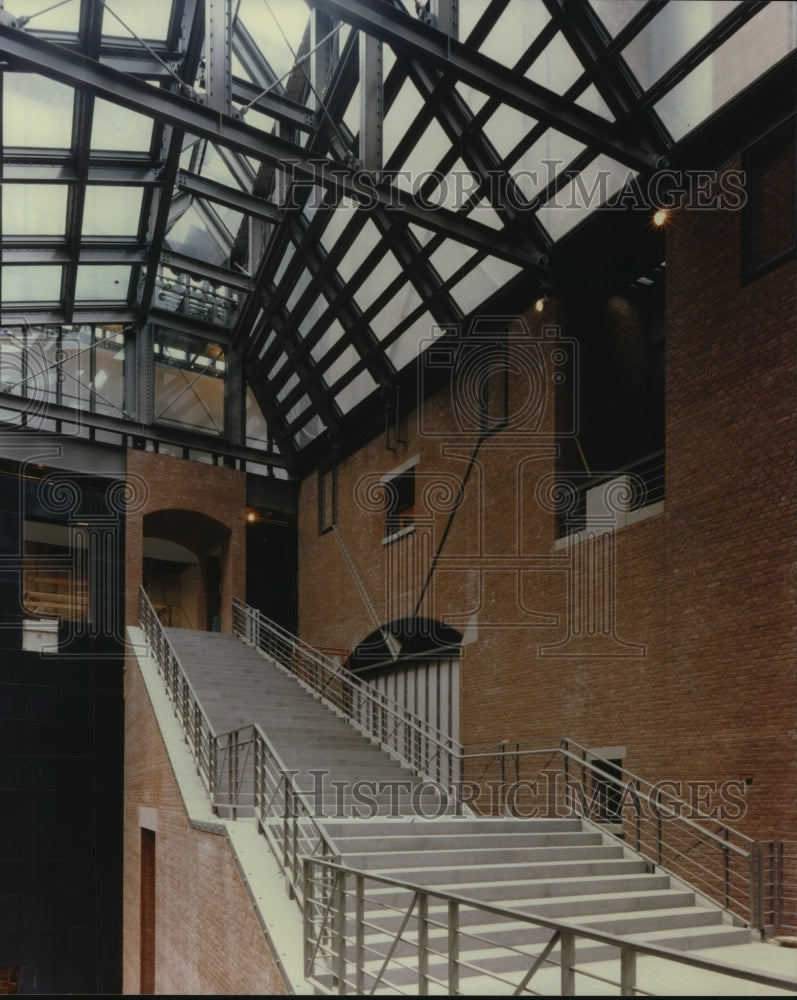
[(256, 427), (34, 209), (26, 283), (146, 18), (412, 342), (542, 162), (514, 31), (469, 14), (616, 14), (763, 41), (475, 99), (327, 341), (191, 235), (359, 250), (112, 211), (36, 112), (601, 179), (481, 282), (506, 127), (119, 130), (48, 17), (355, 392), (102, 283), (276, 26), (670, 35), (314, 314), (592, 101), (403, 111), (448, 258), (557, 68)]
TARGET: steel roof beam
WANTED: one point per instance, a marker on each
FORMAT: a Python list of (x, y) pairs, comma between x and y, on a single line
[(413, 39), (23, 50), (196, 185)]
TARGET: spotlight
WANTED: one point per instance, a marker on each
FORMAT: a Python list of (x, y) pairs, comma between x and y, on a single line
[(251, 517), (541, 303), (660, 216)]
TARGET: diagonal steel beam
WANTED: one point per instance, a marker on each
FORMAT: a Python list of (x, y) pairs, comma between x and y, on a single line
[(30, 53), (412, 39)]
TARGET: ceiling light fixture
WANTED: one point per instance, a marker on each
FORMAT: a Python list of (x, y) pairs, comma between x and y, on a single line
[(660, 216)]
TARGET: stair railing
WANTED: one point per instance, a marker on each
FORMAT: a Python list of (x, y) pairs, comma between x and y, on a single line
[(282, 811), (428, 751), (441, 938), (671, 832)]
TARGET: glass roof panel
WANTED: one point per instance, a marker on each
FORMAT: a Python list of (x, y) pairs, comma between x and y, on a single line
[(592, 101), (413, 341), (402, 112), (758, 45), (590, 189), (120, 130), (616, 14), (28, 283), (48, 17), (36, 112), (355, 392), (449, 257), (506, 127), (475, 99), (400, 306), (670, 35), (533, 170), (557, 68), (34, 209), (102, 282), (146, 18), (190, 235), (277, 27), (482, 281), (514, 31), (469, 14), (112, 211)]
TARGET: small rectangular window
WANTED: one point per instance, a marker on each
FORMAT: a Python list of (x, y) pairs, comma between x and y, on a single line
[(770, 214), (327, 499), (400, 502)]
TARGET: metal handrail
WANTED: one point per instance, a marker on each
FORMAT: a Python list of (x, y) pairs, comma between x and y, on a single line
[(336, 947), (282, 812), (431, 753), (704, 851)]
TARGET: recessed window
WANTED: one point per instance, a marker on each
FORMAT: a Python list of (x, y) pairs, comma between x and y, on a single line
[(400, 502), (770, 215), (327, 500)]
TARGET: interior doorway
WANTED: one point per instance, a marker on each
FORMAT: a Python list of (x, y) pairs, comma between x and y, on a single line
[(184, 566)]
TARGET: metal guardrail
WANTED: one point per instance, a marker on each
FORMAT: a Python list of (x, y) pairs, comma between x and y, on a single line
[(429, 752), (441, 939), (228, 762), (716, 860)]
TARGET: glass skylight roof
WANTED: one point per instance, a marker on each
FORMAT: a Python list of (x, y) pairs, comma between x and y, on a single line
[(145, 177)]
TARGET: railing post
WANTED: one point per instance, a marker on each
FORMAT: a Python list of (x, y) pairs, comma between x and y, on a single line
[(423, 944), (339, 930), (453, 948), (359, 936), (308, 904), (627, 972), (567, 946), (726, 873)]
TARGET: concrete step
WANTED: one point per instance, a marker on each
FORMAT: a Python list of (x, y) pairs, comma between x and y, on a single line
[(478, 857)]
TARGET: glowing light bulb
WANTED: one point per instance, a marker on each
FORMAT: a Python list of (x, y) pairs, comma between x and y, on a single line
[(660, 216)]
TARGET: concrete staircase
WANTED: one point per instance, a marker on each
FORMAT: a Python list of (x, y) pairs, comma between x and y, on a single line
[(341, 771), (563, 869)]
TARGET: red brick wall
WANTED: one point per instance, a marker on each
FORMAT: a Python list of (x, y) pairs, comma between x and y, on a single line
[(159, 483), (207, 937), (696, 677)]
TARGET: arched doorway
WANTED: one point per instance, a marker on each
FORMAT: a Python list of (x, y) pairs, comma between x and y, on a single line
[(184, 553)]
